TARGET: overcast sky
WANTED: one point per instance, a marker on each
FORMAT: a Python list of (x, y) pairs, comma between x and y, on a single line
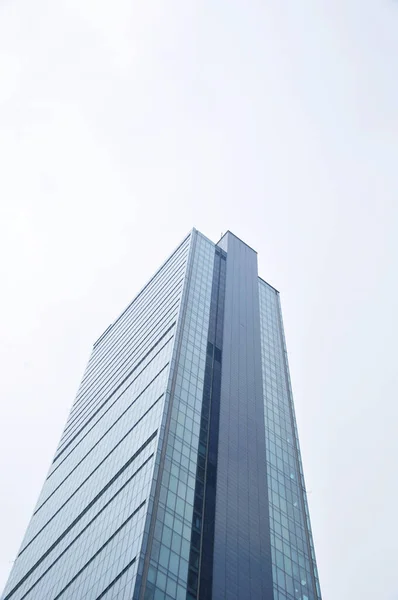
[(125, 123)]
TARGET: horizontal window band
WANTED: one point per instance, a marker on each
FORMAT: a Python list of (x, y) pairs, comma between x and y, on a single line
[(98, 442), (166, 299), (112, 583), (118, 388), (100, 550), (175, 254), (110, 384), (78, 535), (123, 333), (107, 410), (131, 343), (92, 416), (89, 506), (85, 481)]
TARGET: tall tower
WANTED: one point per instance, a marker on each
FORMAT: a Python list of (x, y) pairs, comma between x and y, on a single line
[(178, 475)]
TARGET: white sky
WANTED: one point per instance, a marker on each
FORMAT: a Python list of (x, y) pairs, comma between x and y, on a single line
[(125, 123)]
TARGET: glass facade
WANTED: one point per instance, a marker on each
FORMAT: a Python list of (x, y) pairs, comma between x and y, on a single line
[(85, 535), (178, 474)]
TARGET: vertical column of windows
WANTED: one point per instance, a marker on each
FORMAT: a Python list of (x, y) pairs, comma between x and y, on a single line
[(307, 523), (202, 538), (170, 546), (293, 560)]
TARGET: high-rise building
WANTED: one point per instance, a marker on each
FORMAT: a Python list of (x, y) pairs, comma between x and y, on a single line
[(178, 474)]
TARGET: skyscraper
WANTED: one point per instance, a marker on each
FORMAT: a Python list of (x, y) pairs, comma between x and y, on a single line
[(178, 474)]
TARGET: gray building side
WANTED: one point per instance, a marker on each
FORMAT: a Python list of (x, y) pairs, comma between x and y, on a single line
[(242, 557)]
